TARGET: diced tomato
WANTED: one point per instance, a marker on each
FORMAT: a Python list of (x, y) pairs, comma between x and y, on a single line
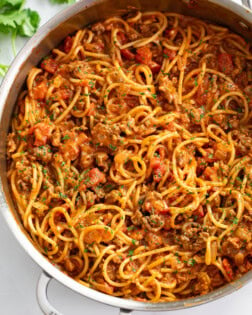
[(39, 91), (41, 133), (227, 266), (68, 43), (49, 65), (127, 54), (225, 63), (155, 162), (158, 173), (204, 95), (122, 38), (94, 177), (169, 53), (144, 55), (155, 67), (158, 169)]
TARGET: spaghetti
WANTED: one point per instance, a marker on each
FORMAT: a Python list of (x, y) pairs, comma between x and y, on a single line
[(129, 156)]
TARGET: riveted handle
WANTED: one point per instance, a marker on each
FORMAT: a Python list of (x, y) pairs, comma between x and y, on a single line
[(43, 301), (42, 298), (124, 312)]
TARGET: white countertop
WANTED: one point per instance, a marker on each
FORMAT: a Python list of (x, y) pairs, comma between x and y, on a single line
[(19, 274)]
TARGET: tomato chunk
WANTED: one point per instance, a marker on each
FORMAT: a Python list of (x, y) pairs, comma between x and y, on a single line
[(204, 95), (169, 53), (68, 43), (144, 55), (225, 63), (227, 266), (39, 91), (49, 65), (127, 54), (41, 133), (158, 173), (158, 169), (155, 67), (155, 162), (94, 177), (122, 38)]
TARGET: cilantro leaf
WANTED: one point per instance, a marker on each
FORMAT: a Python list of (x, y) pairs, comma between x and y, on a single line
[(24, 22), (10, 4), (30, 23), (3, 69)]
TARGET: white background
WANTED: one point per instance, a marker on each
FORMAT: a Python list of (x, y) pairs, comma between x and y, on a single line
[(19, 274)]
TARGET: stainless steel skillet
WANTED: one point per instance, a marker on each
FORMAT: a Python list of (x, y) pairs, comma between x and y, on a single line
[(224, 12)]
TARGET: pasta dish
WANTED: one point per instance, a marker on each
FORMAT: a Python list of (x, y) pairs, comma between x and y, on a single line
[(130, 160)]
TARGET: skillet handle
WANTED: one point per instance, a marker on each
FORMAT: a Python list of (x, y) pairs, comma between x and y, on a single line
[(44, 304), (246, 3), (42, 298), (124, 311)]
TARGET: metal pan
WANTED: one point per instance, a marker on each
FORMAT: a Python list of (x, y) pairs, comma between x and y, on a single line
[(238, 18)]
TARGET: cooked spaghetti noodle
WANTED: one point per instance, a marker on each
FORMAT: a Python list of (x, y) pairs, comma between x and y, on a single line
[(129, 156)]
